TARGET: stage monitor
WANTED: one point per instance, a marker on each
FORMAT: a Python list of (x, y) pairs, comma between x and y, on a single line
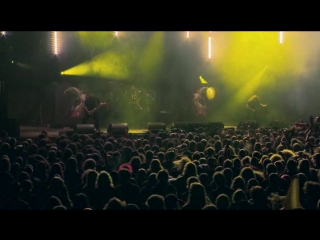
[(118, 129), (84, 129)]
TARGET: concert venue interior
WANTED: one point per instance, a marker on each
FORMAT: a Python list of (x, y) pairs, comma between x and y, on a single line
[(164, 69)]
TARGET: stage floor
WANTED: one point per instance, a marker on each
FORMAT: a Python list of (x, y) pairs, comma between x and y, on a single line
[(34, 131)]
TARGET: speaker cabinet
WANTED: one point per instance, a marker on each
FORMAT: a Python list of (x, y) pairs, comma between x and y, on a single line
[(188, 126), (215, 127), (245, 125), (156, 126), (12, 127), (84, 129), (195, 126), (118, 129), (180, 125)]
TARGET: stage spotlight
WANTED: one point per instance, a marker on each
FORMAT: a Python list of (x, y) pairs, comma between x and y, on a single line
[(202, 80), (211, 93)]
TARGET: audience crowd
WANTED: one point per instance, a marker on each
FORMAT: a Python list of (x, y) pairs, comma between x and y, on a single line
[(231, 169)]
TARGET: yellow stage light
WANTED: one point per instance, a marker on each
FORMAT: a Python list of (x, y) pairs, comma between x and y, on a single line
[(211, 93)]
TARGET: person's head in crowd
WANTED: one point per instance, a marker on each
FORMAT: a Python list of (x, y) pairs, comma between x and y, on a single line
[(197, 195), (115, 204), (124, 175), (52, 202), (155, 202), (247, 173), (89, 163), (271, 168), (71, 165), (5, 165), (152, 179), (223, 202), (55, 169), (285, 183), (141, 175), (155, 166), (171, 202), (251, 183), (26, 186), (292, 166), (210, 151), (274, 180), (304, 166), (227, 164), (90, 177), (135, 163), (238, 183), (218, 179), (29, 169), (204, 179), (257, 148), (60, 207), (190, 170), (149, 156), (238, 196), (276, 157), (80, 202), (212, 162), (242, 153), (23, 177), (258, 195), (210, 207), (191, 180), (288, 153), (228, 174), (245, 161), (236, 163), (316, 160), (104, 180), (218, 146), (280, 165), (312, 191), (163, 176)]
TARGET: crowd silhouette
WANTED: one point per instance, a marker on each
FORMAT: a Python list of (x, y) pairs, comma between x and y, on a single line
[(235, 169)]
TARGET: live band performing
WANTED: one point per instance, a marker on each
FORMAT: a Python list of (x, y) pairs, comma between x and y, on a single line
[(82, 106), (129, 103)]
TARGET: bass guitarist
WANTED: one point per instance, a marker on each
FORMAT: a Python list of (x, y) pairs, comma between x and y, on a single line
[(91, 106)]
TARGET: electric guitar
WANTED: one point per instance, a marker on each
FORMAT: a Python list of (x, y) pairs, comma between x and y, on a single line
[(95, 109)]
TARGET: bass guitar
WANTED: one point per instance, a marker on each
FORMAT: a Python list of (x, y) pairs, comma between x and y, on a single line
[(97, 108)]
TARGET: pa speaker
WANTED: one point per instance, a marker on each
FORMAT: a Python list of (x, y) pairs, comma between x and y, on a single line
[(12, 127), (180, 125), (156, 126), (189, 126), (118, 129), (84, 129), (197, 125), (245, 125), (215, 127)]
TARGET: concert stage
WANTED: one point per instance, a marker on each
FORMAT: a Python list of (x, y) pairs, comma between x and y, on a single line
[(34, 131)]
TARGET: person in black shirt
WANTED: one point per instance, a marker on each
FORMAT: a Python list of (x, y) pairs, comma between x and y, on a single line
[(91, 106)]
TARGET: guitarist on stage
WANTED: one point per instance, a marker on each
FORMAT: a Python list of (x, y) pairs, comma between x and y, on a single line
[(91, 106)]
